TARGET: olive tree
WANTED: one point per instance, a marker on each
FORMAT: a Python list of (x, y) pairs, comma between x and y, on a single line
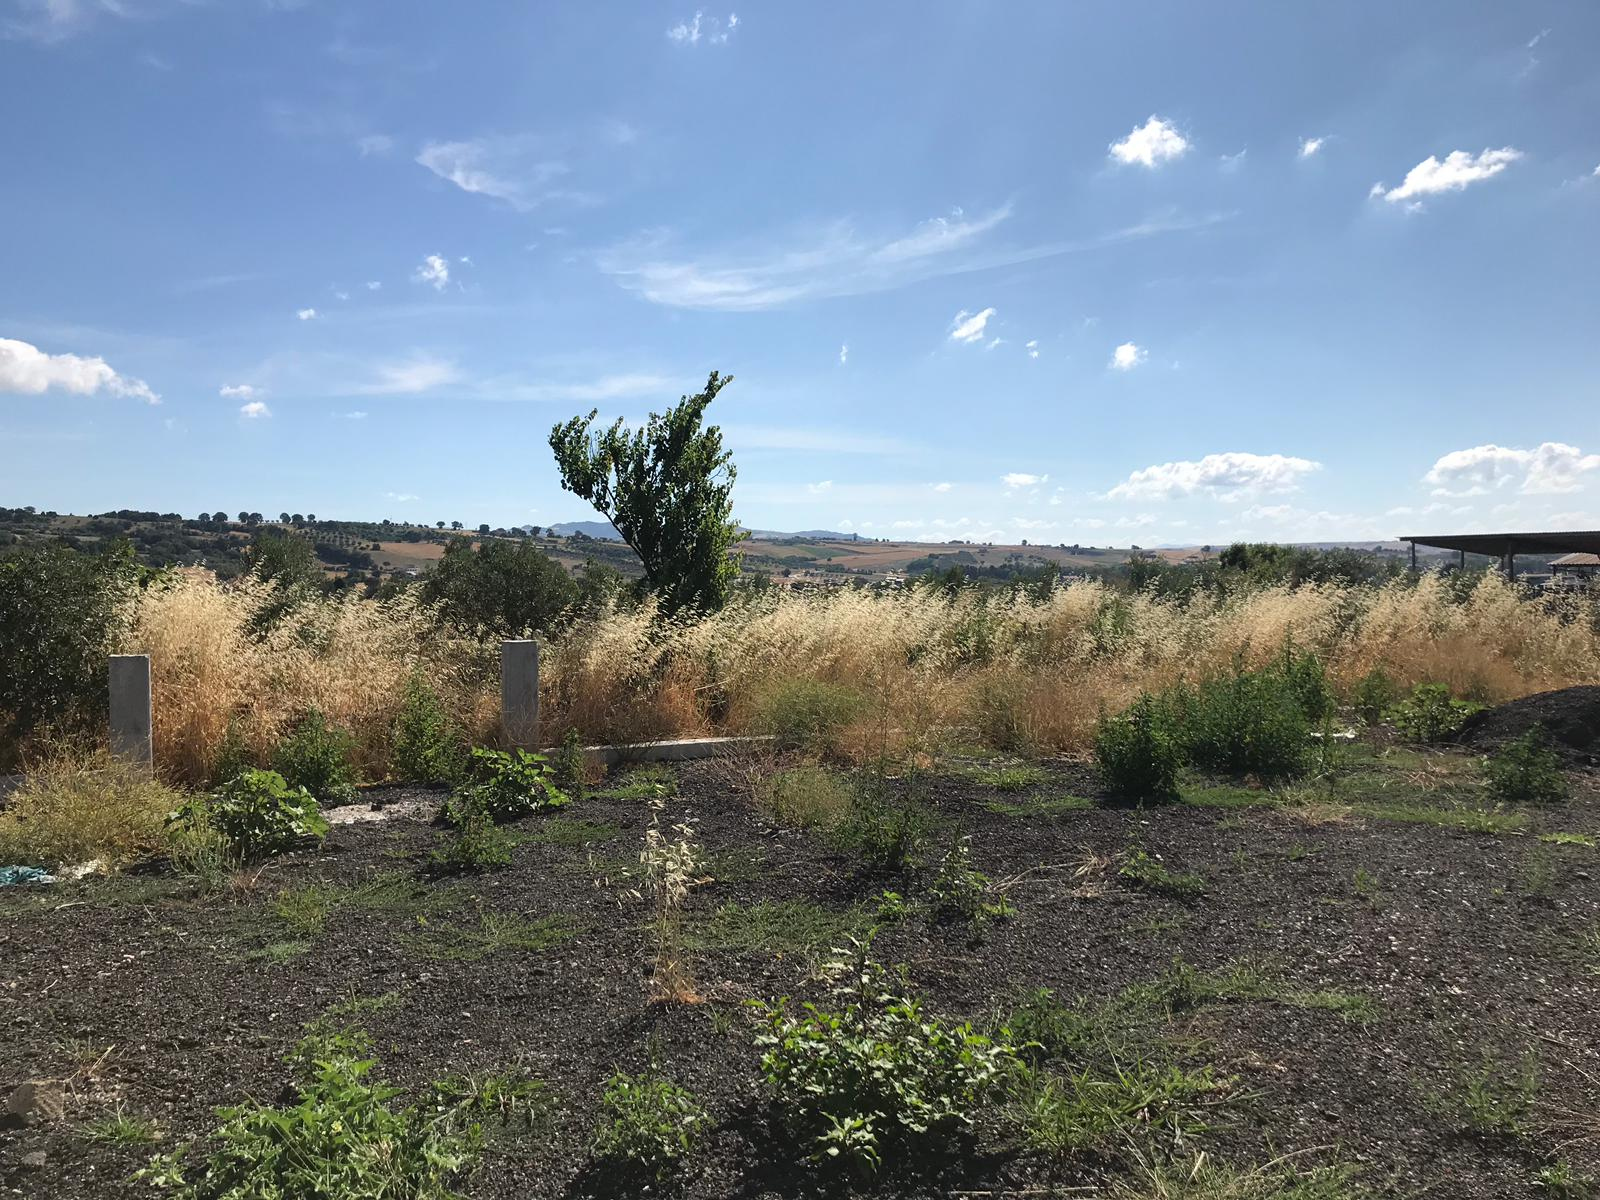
[(666, 488)]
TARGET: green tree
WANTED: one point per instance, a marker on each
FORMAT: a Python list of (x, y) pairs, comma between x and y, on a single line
[(282, 557), (501, 588), (667, 490)]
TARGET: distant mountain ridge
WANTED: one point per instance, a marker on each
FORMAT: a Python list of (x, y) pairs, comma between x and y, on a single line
[(606, 532)]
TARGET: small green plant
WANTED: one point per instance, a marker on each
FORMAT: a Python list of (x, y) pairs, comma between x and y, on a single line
[(1252, 722), (234, 756), (1495, 1098), (1015, 778), (1429, 714), (426, 744), (1365, 885), (478, 843), (495, 933), (121, 1129), (1560, 1180), (773, 926), (341, 1136), (961, 892), (259, 814), (1138, 753), (648, 1123), (887, 830), (806, 714), (877, 1076), (1096, 1110), (305, 910), (1569, 839), (1202, 1178), (805, 797), (511, 784), (1527, 769), (1143, 870), (316, 756), (568, 766), (1374, 694)]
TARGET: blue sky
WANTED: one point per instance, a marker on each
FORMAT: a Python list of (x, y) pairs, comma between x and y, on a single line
[(1101, 273)]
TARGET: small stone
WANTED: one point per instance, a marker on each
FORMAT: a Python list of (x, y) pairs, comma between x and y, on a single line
[(37, 1101), (35, 1160)]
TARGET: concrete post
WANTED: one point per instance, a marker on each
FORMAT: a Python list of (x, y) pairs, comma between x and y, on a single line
[(130, 710), (519, 694)]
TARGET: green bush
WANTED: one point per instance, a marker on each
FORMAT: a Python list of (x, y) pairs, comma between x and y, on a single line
[(569, 767), (805, 797), (342, 1136), (1303, 676), (259, 814), (888, 831), (1374, 694), (876, 1077), (960, 891), (1138, 752), (316, 756), (1429, 714), (234, 756), (61, 613), (426, 745), (477, 845), (511, 784), (1249, 722), (649, 1123), (1527, 769), (807, 713)]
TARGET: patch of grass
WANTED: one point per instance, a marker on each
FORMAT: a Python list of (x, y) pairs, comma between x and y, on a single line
[(305, 909), (121, 1129), (1493, 1099), (1228, 796), (650, 782), (495, 933), (1155, 926), (1135, 1100), (572, 832), (1365, 885), (1204, 1179), (1143, 870), (342, 1011), (1013, 778), (781, 926), (69, 811), (1569, 839), (1464, 817), (805, 797), (1040, 806)]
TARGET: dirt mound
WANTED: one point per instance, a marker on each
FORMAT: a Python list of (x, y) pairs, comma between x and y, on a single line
[(1572, 715)]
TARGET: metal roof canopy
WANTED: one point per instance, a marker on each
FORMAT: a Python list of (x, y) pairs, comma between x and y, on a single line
[(1503, 545)]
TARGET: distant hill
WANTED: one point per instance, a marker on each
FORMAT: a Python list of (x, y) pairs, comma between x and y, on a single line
[(602, 531), (810, 535)]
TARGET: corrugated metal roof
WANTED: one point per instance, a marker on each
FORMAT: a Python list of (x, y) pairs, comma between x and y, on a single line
[(1499, 544), (1577, 560)]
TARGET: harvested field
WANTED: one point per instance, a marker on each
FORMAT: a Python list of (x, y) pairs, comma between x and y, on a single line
[(1354, 955)]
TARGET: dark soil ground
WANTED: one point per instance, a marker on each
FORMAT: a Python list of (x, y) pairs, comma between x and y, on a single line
[(1570, 715), (1468, 934)]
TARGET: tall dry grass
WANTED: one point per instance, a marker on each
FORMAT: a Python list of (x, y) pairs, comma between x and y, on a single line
[(1009, 670)]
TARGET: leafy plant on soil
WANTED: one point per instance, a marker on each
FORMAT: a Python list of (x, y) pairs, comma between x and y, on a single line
[(1374, 694), (641, 783), (121, 1129), (1256, 722), (316, 756), (259, 814), (960, 891), (568, 767), (478, 843), (1101, 1109), (1138, 752), (1202, 1178), (648, 1123), (1562, 1181), (513, 783), (426, 744), (1494, 1098), (341, 1137), (1015, 778), (1430, 714), (1527, 769), (876, 1077), (1143, 870), (887, 830)]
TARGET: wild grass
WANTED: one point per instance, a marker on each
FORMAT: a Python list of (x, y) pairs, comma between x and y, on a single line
[(494, 934), (782, 926), (70, 810)]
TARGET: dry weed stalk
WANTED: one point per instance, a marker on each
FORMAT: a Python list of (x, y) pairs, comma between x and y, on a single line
[(670, 869)]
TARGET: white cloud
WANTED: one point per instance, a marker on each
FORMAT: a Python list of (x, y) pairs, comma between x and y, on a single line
[(374, 285), (511, 169), (1459, 168), (254, 411), (374, 144), (818, 489), (306, 314), (1309, 146), (837, 261), (1232, 162), (357, 415), (969, 327), (1226, 476), (941, 487), (1020, 479), (1150, 144), (1032, 347), (844, 354), (26, 369), (700, 26), (401, 497), (416, 374), (1552, 468), (239, 391), (592, 391), (1127, 356), (339, 295), (434, 271), (1088, 522)]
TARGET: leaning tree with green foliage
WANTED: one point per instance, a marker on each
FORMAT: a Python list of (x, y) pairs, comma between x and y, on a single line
[(666, 488)]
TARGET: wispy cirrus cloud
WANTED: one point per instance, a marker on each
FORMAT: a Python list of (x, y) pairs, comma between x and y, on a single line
[(838, 260), (409, 377), (518, 170), (30, 371)]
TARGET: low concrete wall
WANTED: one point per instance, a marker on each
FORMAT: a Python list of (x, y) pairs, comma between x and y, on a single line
[(676, 750)]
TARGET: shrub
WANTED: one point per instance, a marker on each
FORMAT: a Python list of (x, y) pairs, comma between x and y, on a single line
[(1138, 752), (569, 767), (1374, 694), (805, 797), (876, 1077), (649, 1123), (316, 756), (61, 612), (960, 891), (259, 814), (1145, 871), (478, 845), (1527, 769), (887, 831), (511, 784), (70, 811), (1247, 722), (341, 1137), (426, 745), (1429, 714), (1303, 676), (808, 713), (234, 756)]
